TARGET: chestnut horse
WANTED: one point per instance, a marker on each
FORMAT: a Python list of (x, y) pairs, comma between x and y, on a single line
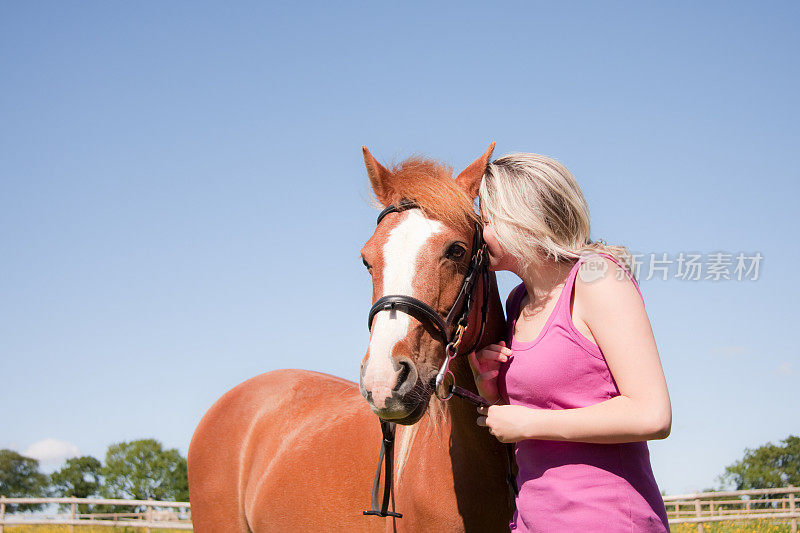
[(294, 450)]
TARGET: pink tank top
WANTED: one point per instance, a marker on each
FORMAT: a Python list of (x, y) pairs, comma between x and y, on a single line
[(574, 486)]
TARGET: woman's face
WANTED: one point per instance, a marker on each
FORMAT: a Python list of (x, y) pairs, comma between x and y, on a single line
[(499, 259)]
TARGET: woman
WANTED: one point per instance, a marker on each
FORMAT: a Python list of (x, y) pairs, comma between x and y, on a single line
[(580, 387)]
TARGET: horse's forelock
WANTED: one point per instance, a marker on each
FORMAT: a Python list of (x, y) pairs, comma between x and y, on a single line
[(430, 184)]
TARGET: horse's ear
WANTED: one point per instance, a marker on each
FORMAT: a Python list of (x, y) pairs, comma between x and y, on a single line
[(470, 177), (379, 177)]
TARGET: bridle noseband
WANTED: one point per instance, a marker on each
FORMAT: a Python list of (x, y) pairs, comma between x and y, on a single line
[(458, 314)]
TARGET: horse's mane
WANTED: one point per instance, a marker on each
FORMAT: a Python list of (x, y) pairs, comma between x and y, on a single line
[(431, 185)]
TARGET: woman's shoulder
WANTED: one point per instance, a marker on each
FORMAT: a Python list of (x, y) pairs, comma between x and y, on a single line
[(602, 281), (604, 293)]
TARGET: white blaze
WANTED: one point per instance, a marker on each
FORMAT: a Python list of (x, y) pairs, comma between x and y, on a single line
[(400, 255)]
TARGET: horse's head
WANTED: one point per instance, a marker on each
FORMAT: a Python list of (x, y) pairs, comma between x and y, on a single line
[(423, 253)]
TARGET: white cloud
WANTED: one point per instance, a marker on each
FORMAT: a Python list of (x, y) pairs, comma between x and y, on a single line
[(785, 368), (729, 351), (51, 450)]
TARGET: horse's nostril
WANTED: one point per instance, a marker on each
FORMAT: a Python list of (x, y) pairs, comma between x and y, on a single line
[(405, 370)]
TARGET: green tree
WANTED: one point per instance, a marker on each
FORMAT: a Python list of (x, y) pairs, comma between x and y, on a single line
[(79, 477), (20, 478), (768, 466), (143, 470)]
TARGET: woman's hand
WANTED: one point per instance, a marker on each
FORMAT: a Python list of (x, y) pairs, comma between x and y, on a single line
[(508, 423), (485, 368)]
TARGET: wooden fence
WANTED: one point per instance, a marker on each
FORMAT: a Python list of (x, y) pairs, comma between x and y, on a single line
[(698, 507), (756, 504), (171, 515)]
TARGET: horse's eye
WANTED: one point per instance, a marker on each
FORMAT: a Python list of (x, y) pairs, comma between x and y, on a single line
[(365, 263), (455, 252)]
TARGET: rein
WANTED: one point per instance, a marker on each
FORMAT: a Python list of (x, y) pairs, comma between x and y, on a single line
[(478, 268)]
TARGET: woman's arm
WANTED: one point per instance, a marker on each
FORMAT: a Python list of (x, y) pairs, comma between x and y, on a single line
[(614, 312)]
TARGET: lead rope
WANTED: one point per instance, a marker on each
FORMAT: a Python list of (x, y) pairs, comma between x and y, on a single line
[(387, 454), (511, 480)]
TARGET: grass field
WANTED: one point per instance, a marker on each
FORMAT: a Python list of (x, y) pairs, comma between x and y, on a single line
[(769, 526)]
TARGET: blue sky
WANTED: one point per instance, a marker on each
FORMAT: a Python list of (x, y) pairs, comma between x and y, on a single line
[(183, 199)]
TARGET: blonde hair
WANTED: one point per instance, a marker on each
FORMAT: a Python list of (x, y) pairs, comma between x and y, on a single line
[(538, 211)]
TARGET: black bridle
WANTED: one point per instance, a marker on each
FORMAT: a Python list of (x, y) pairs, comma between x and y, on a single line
[(459, 312), (458, 316)]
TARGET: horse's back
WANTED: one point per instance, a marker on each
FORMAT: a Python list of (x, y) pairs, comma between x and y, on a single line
[(285, 451)]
